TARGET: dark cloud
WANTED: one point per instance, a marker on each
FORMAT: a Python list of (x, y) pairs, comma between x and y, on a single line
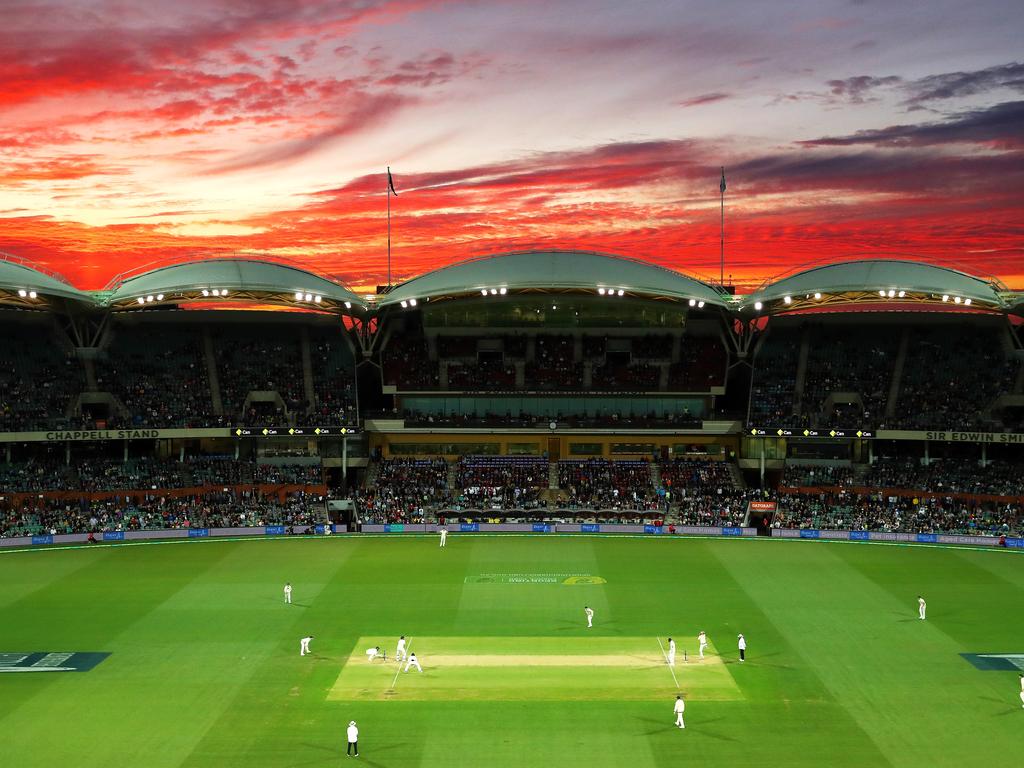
[(956, 84), (704, 98), (998, 126), (858, 89)]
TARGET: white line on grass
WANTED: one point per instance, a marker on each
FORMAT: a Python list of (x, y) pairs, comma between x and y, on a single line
[(398, 671), (670, 668)]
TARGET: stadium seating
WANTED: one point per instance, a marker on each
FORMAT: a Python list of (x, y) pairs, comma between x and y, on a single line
[(38, 380), (504, 482)]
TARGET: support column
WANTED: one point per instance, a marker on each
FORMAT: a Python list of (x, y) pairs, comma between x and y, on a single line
[(125, 459), (762, 462), (927, 459), (984, 454), (344, 460)]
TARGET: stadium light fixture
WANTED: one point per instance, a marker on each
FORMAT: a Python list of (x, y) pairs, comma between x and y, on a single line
[(348, 305), (32, 294), (412, 302), (785, 300), (503, 291), (957, 299), (149, 298), (758, 305), (817, 295), (159, 297), (967, 302), (881, 292), (693, 302), (483, 291), (309, 297), (141, 300), (223, 291), (205, 292), (621, 291), (318, 299), (494, 291), (601, 291), (298, 295), (700, 305), (891, 293), (901, 294), (22, 292), (945, 297), (405, 304)]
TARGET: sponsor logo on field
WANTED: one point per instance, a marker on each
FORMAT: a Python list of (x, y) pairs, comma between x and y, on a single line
[(50, 661), (534, 578), (1002, 662)]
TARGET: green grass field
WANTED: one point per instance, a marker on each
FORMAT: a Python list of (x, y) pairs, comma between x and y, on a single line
[(204, 666)]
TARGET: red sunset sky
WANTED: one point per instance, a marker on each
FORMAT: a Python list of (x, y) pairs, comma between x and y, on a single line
[(136, 132)]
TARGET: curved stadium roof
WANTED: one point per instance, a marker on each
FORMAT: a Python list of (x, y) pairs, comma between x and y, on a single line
[(554, 270), (864, 280), (242, 278), (16, 276)]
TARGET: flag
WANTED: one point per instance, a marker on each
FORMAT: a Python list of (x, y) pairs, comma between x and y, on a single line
[(391, 184), (721, 187)]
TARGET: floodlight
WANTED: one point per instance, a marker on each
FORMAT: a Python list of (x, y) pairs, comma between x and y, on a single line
[(223, 291), (298, 295), (318, 299), (758, 305), (891, 293), (348, 305), (32, 294), (945, 297), (483, 291), (159, 297), (957, 299), (205, 292), (700, 304), (22, 292), (150, 297), (404, 303), (141, 300), (693, 302), (967, 302), (902, 294), (412, 302), (494, 291), (309, 297), (817, 295), (620, 291), (601, 291), (785, 299), (881, 293), (503, 291)]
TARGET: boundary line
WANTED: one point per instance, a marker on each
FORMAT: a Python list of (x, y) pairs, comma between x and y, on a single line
[(670, 668)]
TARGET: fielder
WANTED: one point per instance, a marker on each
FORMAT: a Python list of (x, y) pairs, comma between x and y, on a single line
[(742, 644), (702, 638), (413, 662), (304, 645), (671, 652), (921, 607), (1022, 690), (373, 653), (288, 593), (400, 651), (678, 709), (590, 615), (444, 536)]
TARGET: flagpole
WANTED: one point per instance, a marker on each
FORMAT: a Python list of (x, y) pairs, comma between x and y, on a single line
[(387, 194), (721, 244)]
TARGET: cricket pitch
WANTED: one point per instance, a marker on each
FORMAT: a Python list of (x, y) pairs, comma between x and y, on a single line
[(531, 669)]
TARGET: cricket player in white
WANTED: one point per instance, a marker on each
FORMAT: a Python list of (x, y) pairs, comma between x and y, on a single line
[(304, 645), (1022, 690), (412, 662), (288, 593), (921, 606), (373, 653), (679, 708), (702, 638), (400, 651), (671, 652), (444, 536), (742, 644), (590, 615)]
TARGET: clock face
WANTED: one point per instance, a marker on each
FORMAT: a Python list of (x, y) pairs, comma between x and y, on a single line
[(553, 425)]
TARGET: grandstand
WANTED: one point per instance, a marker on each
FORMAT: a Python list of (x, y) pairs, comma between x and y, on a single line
[(544, 385)]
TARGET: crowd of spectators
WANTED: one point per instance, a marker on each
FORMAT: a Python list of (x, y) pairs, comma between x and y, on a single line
[(773, 389), (898, 514), (92, 474), (554, 367), (598, 419), (951, 377), (267, 359), (600, 483), (212, 509), (38, 380), (159, 375), (334, 383), (815, 476), (407, 364), (702, 365), (998, 478), (402, 490), (509, 482)]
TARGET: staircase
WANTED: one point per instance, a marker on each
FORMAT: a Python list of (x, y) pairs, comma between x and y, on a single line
[(452, 479), (307, 369), (553, 476), (897, 374), (737, 476), (211, 372), (655, 474), (801, 371)]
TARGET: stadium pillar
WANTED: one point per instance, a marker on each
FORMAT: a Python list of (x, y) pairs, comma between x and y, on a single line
[(125, 459), (762, 462), (984, 454), (344, 461), (927, 460), (67, 453)]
